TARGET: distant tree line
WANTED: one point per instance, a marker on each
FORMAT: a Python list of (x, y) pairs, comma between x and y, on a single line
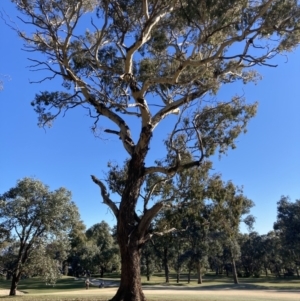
[(42, 234), (205, 245)]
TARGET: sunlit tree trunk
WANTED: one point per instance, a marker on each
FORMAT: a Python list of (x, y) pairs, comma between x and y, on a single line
[(199, 275), (235, 277), (189, 272)]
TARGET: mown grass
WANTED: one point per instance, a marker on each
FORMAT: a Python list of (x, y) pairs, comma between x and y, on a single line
[(211, 281), (177, 297), (35, 289), (36, 285)]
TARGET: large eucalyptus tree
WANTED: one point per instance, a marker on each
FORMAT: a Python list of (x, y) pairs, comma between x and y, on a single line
[(140, 62)]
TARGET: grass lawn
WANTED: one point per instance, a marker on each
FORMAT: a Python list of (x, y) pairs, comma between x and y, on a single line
[(212, 289)]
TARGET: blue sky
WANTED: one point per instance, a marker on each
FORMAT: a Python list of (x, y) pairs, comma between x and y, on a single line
[(266, 162)]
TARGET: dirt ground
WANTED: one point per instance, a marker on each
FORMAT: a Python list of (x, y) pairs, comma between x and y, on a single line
[(269, 294), (6, 292)]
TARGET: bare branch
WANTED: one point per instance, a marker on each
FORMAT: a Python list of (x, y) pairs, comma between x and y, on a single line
[(105, 196), (170, 171), (161, 233), (170, 108), (145, 36), (145, 9)]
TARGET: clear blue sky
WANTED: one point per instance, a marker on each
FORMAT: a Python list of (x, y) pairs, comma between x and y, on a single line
[(266, 162)]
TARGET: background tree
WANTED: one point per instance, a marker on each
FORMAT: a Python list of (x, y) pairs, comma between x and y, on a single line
[(142, 62), (274, 247), (287, 227), (108, 256), (252, 254), (204, 210), (267, 253), (231, 208), (77, 239), (164, 247), (189, 214), (87, 263), (34, 213), (8, 258), (148, 260), (46, 259)]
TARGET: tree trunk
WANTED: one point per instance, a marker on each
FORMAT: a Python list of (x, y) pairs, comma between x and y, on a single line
[(131, 230), (166, 265), (199, 275), (217, 270), (266, 271), (65, 268), (297, 272), (235, 277), (14, 283), (101, 272), (8, 275), (148, 268), (277, 271), (130, 239), (130, 288), (227, 270), (167, 273), (178, 275), (189, 274)]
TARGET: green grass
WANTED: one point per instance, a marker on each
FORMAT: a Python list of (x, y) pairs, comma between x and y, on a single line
[(36, 285), (34, 289), (211, 281)]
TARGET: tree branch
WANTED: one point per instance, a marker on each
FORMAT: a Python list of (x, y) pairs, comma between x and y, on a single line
[(161, 233), (172, 107), (145, 9), (147, 197), (105, 196), (124, 133)]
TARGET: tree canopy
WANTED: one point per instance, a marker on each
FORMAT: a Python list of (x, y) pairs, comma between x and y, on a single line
[(287, 227), (36, 217)]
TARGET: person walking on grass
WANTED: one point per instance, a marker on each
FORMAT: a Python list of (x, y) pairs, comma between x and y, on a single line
[(87, 283)]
